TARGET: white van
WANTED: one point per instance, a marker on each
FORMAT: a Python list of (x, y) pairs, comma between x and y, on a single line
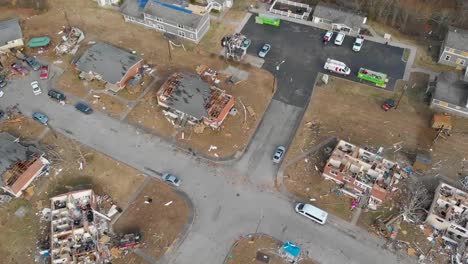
[(337, 67), (312, 212)]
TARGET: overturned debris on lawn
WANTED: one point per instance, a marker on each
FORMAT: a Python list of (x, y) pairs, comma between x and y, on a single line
[(73, 36)]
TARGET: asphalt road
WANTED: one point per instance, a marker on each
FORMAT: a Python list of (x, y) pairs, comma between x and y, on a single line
[(229, 200), (304, 54)]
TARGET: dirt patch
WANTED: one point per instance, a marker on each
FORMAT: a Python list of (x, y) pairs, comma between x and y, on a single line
[(24, 128), (107, 103), (245, 250), (158, 232), (212, 39)]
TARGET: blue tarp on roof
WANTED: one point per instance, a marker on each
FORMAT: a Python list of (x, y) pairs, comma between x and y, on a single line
[(291, 249)]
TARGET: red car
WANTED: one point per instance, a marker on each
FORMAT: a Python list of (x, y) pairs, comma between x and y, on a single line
[(388, 104), (328, 36), (19, 68), (44, 72)]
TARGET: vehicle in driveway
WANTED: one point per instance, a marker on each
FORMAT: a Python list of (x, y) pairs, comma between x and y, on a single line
[(246, 43), (337, 67), (167, 177), (358, 43), (40, 117), (19, 68), (339, 38), (33, 63), (36, 88), (44, 72), (264, 50), (279, 153), (56, 95), (327, 37), (313, 213), (84, 108)]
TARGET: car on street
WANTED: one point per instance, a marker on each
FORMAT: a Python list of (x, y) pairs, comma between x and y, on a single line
[(167, 177), (40, 117), (339, 38), (279, 153), (358, 43), (19, 68), (264, 50), (3, 82), (56, 95), (44, 72), (328, 36), (84, 108), (36, 88), (33, 63), (313, 213), (246, 43)]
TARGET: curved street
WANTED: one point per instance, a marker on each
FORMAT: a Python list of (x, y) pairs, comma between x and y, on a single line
[(231, 199)]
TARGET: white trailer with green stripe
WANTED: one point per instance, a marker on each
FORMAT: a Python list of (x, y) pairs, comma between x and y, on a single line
[(378, 78)]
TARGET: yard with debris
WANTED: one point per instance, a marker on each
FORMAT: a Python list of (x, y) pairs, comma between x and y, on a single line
[(246, 249), (76, 166)]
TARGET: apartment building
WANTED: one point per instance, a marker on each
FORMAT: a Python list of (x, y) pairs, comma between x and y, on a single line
[(361, 173)]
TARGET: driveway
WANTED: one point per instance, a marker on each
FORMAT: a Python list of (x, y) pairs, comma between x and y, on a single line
[(226, 204), (304, 54)]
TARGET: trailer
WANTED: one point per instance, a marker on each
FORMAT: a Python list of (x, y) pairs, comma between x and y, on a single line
[(378, 78)]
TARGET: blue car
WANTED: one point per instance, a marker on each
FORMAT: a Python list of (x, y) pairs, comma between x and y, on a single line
[(40, 117), (84, 108)]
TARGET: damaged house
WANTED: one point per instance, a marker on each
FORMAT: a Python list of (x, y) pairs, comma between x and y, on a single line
[(19, 164), (449, 213), (361, 173), (74, 236), (187, 98), (109, 64)]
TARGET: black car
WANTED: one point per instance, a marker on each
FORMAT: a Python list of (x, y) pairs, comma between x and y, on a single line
[(2, 114), (84, 108), (32, 62), (54, 94)]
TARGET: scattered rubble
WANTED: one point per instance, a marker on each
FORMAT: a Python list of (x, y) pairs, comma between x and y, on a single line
[(73, 36)]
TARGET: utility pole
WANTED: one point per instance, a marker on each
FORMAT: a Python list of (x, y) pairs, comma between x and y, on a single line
[(401, 95)]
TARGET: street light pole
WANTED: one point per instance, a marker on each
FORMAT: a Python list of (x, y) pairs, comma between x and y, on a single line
[(401, 95)]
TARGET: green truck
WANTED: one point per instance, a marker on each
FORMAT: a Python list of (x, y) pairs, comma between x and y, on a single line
[(267, 20), (378, 78)]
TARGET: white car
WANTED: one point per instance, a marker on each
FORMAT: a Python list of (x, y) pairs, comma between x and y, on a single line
[(358, 43), (339, 39), (167, 177), (36, 89)]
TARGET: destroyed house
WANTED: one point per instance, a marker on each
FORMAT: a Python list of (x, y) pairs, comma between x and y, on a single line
[(74, 235), (361, 173), (19, 164), (449, 213), (110, 64), (188, 99)]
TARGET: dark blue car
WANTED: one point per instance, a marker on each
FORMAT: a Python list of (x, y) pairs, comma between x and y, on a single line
[(84, 108)]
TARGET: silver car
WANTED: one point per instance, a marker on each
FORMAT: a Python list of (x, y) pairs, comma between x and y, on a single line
[(167, 177), (264, 50), (279, 153)]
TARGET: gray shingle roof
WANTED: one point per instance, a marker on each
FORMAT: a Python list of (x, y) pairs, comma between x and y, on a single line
[(10, 30), (131, 8), (169, 14), (11, 152), (457, 38), (190, 96), (110, 62), (451, 88), (339, 15)]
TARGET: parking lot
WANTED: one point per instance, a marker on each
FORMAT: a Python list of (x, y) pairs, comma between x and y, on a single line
[(304, 54)]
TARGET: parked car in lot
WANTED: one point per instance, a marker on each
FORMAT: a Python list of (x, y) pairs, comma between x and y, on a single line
[(246, 43), (3, 82), (40, 117), (19, 68), (327, 37), (167, 177), (36, 88), (339, 38), (44, 72), (337, 67), (84, 108), (56, 95), (279, 153), (32, 62), (313, 213), (358, 43), (264, 50)]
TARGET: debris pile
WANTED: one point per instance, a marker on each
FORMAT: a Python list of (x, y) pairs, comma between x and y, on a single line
[(73, 36), (233, 46)]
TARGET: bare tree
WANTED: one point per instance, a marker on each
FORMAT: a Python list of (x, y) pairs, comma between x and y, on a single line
[(416, 200)]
